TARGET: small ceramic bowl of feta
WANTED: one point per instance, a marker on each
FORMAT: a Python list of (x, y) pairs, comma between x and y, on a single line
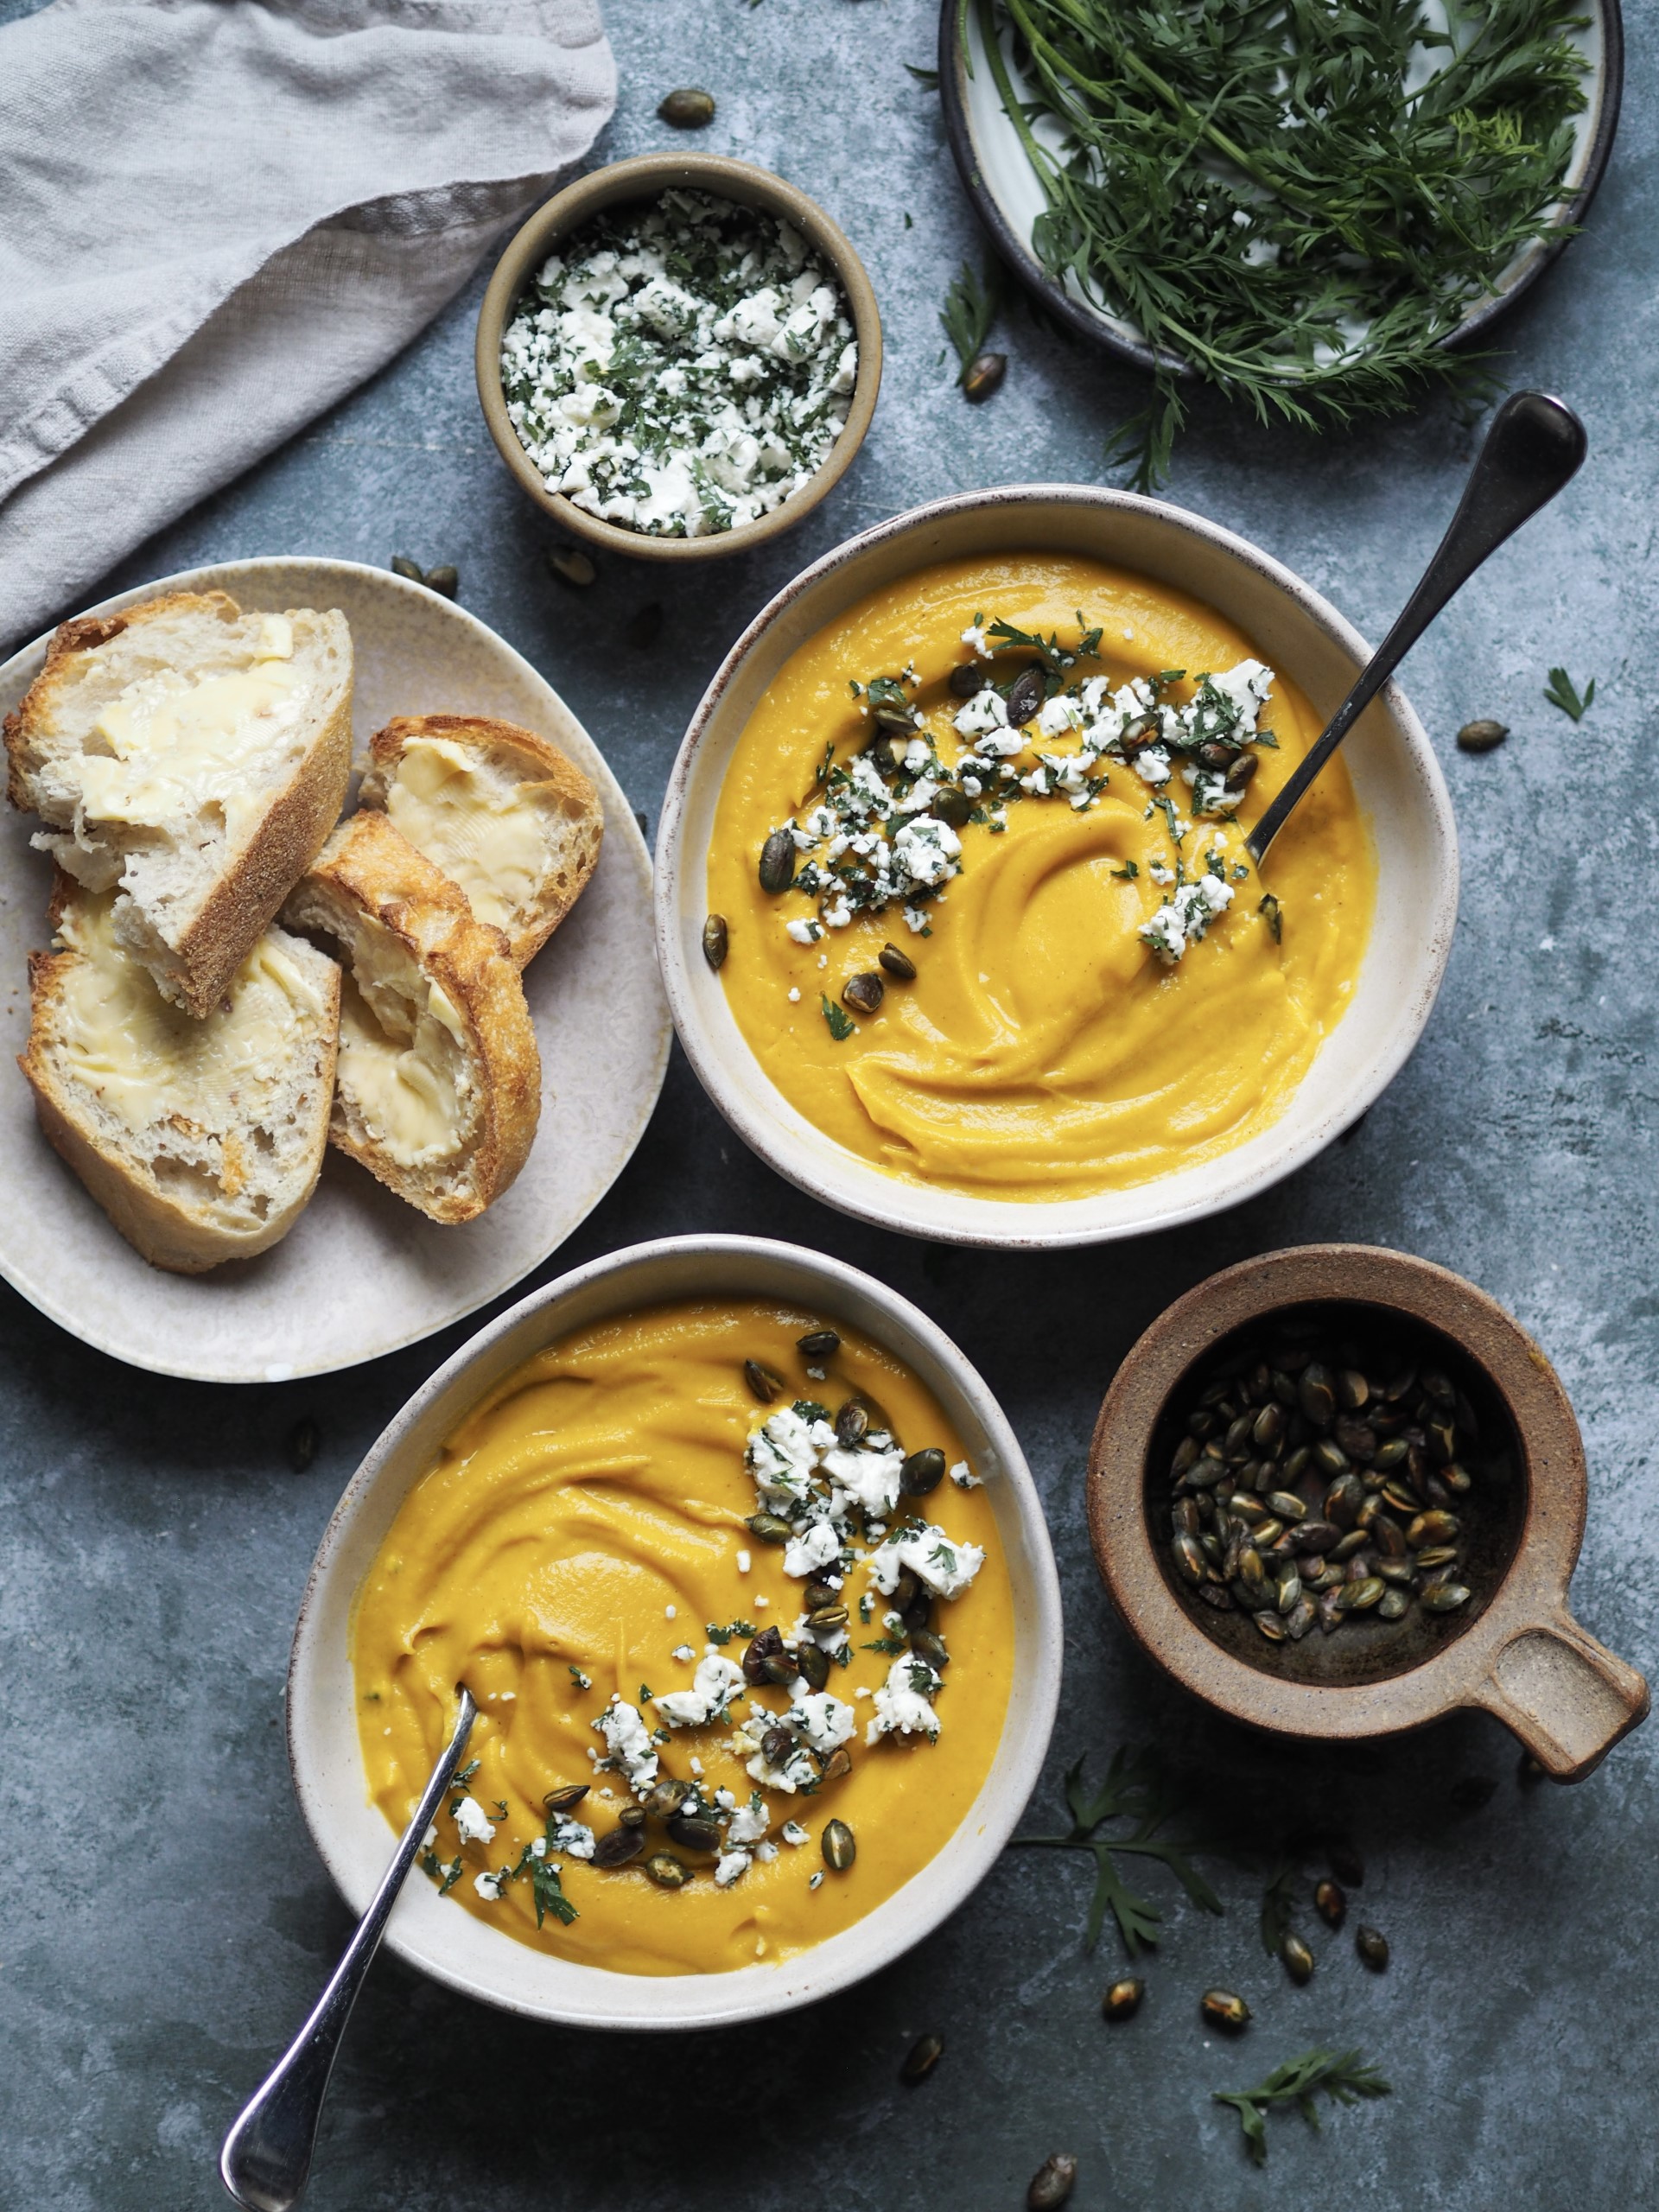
[(678, 356), (581, 1516)]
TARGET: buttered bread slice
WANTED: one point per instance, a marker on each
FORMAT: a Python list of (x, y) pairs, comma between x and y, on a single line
[(439, 1082), (500, 811), (202, 1141), (190, 759)]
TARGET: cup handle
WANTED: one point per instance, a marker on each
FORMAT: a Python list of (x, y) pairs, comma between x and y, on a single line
[(1568, 1698)]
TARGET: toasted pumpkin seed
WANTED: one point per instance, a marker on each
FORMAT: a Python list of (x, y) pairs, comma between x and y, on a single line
[(762, 1381), (967, 679), (716, 940), (1223, 2009), (953, 806), (1392, 1605), (668, 1797), (666, 1871), (1052, 2183), (812, 1663), (818, 1344), (778, 863), (899, 965), (1445, 1596), (1331, 1903), (838, 1765), (567, 1799), (1122, 2000), (694, 1832), (1298, 1958), (864, 992), (768, 1528), (689, 109), (840, 1847), (852, 1420), (921, 2058), (926, 1645), (1373, 1948), (571, 566), (921, 1472), (618, 1847), (1026, 694), (1481, 736), (445, 580), (983, 376)]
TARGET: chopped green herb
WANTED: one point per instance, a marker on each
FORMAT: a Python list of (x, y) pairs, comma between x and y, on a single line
[(582, 1681), (1135, 1790), (1341, 2075), (970, 309), (1560, 692), (891, 1644), (1273, 914), (1278, 1901), (1129, 871), (719, 1635), (841, 1023), (928, 80)]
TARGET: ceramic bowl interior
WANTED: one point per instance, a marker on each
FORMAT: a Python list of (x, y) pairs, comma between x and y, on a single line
[(1000, 180), (481, 1961), (1396, 775), (1364, 1649), (644, 179)]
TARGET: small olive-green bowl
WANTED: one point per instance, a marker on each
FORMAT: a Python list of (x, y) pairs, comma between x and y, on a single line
[(648, 178)]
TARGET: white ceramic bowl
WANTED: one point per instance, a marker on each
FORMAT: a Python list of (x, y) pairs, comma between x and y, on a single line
[(354, 1837), (1396, 775)]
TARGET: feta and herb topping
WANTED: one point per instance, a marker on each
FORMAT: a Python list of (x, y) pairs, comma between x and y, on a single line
[(681, 368), (933, 1557), (903, 1704), (627, 1740), (716, 1682), (882, 827)]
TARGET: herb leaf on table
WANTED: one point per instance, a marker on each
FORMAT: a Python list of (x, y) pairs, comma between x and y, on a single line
[(970, 309), (1278, 1903), (1561, 692), (1135, 1790), (1300, 202), (1343, 2075)]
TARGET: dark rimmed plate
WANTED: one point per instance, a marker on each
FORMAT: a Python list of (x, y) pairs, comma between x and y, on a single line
[(1007, 198)]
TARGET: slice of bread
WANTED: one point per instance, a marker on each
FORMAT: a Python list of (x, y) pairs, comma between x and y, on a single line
[(202, 1141), (499, 810), (192, 759), (439, 1085)]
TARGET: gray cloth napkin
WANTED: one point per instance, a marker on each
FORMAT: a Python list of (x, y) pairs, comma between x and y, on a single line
[(218, 216)]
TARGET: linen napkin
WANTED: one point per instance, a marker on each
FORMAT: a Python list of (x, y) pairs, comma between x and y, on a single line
[(219, 216)]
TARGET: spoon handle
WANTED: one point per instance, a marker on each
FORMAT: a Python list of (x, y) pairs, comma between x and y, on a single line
[(1533, 446), (267, 2155)]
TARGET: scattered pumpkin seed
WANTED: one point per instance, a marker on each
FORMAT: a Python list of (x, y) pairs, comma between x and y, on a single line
[(666, 1871), (1122, 2000), (1331, 1903), (765, 1383), (1298, 1958), (953, 806), (1053, 2182), (812, 1663), (838, 1765), (899, 965), (694, 1832), (1373, 1948), (689, 109), (778, 863), (666, 1798), (1481, 736), (827, 1617), (840, 1847), (769, 1528), (618, 1847), (632, 1817), (411, 571), (818, 1344), (716, 940), (445, 580), (926, 1645), (922, 1472), (921, 2058), (1222, 2009), (566, 1800), (864, 992), (983, 376), (852, 1420), (571, 566)]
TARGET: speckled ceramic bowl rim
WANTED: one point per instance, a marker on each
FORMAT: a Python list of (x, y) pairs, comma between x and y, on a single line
[(1606, 95), (670, 1267), (913, 1209), (645, 178), (1476, 1667)]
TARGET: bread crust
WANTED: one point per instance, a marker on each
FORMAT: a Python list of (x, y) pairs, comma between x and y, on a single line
[(295, 827), (369, 870), (539, 762), (157, 1224)]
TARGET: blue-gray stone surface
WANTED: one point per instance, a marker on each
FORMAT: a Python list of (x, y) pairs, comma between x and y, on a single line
[(166, 1922)]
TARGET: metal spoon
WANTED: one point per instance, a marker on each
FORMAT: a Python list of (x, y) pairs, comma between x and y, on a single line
[(267, 2154), (1534, 447)]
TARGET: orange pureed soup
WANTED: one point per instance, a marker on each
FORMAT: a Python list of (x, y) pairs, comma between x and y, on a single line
[(639, 1567), (1106, 989)]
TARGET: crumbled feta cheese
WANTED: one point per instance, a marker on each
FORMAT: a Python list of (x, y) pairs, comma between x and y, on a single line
[(946, 1567), (628, 1742), (818, 1547), (902, 1705), (792, 1832), (571, 1837), (816, 1880), (747, 1825), (1184, 921), (743, 1562), (716, 1682), (728, 1866), (963, 1476), (824, 1721), (472, 1823), (976, 641), (683, 1652), (488, 1887)]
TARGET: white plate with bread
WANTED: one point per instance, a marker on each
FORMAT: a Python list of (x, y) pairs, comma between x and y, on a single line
[(305, 1073)]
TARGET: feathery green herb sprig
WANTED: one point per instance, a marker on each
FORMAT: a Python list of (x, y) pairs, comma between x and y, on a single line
[(1270, 192), (1562, 692), (1343, 2075), (970, 309), (1137, 1790)]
